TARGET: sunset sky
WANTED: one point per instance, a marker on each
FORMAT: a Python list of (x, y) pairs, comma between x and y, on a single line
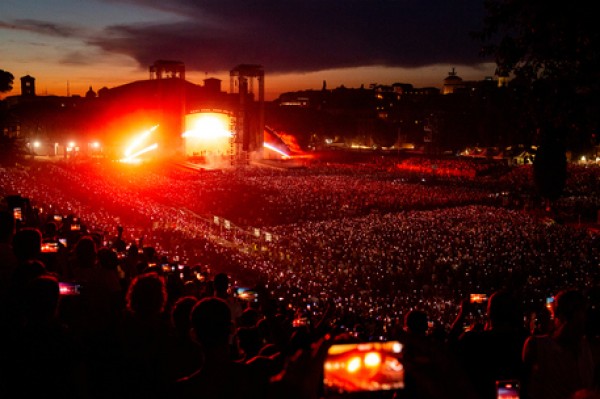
[(70, 45)]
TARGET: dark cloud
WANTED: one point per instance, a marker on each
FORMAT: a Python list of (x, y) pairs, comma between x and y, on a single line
[(78, 58), (42, 27), (294, 35)]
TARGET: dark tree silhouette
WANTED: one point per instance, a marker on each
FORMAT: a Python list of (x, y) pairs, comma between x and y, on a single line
[(6, 81), (550, 167), (11, 150), (553, 52)]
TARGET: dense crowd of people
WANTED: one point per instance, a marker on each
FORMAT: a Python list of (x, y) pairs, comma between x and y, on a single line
[(109, 267)]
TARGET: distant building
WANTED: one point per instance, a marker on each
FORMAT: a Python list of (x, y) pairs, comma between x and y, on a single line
[(28, 86), (165, 69), (90, 93), (452, 83), (212, 85)]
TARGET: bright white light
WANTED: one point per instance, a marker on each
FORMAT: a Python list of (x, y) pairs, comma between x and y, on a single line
[(277, 150), (353, 365), (208, 127), (134, 157), (71, 144), (36, 144), (139, 140), (372, 359), (95, 144)]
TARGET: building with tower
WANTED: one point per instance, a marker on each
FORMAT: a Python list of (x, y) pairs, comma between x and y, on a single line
[(28, 86), (452, 83)]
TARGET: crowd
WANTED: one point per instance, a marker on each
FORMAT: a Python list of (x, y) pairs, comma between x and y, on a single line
[(354, 253)]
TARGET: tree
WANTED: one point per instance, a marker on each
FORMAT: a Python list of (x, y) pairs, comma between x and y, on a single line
[(11, 150), (6, 81), (553, 51)]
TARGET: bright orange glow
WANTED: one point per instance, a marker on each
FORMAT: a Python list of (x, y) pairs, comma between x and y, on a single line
[(207, 134), (478, 298), (291, 142), (367, 366)]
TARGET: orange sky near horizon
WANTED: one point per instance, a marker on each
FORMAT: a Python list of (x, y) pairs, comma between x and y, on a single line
[(67, 81), (69, 46)]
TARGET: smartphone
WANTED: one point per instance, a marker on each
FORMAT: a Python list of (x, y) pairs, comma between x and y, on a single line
[(75, 227), (508, 389), (301, 322), (69, 288), (550, 305), (49, 247), (478, 298), (18, 214), (246, 294), (363, 367)]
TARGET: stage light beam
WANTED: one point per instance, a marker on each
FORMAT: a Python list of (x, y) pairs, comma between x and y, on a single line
[(277, 150)]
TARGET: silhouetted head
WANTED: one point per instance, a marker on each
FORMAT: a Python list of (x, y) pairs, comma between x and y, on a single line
[(570, 308), (108, 259), (211, 320), (85, 251), (147, 295), (7, 226), (504, 310), (27, 244), (416, 322), (28, 271), (221, 283), (149, 252), (41, 298), (133, 250), (181, 314), (249, 317), (249, 340), (50, 229)]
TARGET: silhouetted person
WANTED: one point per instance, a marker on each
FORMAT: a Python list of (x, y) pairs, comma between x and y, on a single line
[(86, 256), (119, 244), (220, 376), (95, 304), (99, 308), (145, 337), (416, 323), (494, 353), (249, 341), (560, 364), (414, 337), (185, 354), (134, 263), (8, 260), (27, 244), (42, 358), (221, 286)]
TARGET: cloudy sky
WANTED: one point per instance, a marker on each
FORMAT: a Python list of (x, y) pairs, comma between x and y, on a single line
[(69, 45)]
